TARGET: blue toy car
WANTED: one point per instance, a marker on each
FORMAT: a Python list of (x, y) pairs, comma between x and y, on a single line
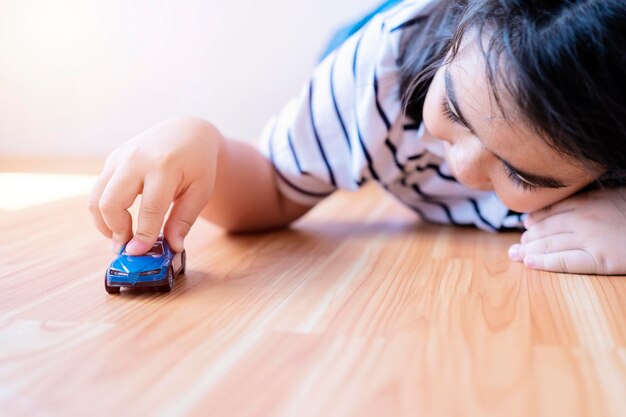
[(157, 268)]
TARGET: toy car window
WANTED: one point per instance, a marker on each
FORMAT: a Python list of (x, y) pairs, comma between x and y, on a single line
[(157, 249)]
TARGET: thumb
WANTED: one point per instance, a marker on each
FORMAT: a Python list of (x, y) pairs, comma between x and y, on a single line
[(183, 214)]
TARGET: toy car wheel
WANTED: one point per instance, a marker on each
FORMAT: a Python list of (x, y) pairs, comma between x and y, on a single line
[(170, 281), (110, 289), (183, 262)]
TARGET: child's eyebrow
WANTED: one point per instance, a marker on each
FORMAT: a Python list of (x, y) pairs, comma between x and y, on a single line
[(536, 179)]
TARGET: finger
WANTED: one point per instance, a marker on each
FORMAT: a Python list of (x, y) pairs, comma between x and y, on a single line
[(93, 203), (540, 215), (184, 213), (550, 244), (545, 228), (157, 195), (118, 195), (572, 261)]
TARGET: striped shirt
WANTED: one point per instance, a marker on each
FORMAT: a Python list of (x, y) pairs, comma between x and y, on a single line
[(346, 127)]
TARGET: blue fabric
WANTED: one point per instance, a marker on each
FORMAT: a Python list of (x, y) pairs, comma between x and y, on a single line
[(345, 32)]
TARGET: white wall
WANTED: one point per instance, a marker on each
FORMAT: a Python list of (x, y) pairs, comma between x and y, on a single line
[(79, 77)]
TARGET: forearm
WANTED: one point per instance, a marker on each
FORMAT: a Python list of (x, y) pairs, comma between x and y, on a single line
[(245, 197)]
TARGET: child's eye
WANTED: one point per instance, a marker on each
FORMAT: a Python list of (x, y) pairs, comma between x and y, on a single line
[(518, 181), (447, 111), (515, 177)]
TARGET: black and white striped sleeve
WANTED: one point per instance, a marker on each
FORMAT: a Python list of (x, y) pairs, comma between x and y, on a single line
[(332, 134)]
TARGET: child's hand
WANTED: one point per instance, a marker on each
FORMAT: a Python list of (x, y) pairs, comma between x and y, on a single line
[(583, 234), (173, 162)]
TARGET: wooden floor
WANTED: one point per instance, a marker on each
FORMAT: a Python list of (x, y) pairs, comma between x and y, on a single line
[(359, 310)]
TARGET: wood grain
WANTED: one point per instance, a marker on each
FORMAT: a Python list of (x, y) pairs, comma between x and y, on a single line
[(357, 310)]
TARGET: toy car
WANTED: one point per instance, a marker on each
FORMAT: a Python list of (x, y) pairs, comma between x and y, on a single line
[(157, 268)]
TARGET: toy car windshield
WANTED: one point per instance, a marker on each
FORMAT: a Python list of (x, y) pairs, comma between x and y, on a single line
[(156, 250)]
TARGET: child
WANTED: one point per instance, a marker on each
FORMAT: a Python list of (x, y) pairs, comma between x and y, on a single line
[(470, 112)]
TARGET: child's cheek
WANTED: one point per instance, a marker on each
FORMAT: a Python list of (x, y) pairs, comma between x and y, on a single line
[(523, 201)]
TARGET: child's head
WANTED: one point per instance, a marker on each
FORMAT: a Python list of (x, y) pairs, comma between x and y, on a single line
[(530, 95)]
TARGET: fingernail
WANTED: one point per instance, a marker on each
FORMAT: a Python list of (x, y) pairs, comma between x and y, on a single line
[(515, 252), (136, 246), (530, 262), (115, 247)]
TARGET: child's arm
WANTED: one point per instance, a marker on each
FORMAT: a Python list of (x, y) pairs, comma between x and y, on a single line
[(583, 234), (187, 162)]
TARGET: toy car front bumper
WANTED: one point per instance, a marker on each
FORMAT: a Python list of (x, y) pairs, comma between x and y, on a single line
[(137, 284)]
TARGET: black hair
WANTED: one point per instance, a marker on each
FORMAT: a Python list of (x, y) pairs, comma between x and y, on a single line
[(563, 62)]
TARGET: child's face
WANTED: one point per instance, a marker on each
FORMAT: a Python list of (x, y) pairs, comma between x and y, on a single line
[(486, 152)]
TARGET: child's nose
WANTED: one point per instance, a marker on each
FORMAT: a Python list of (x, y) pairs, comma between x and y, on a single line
[(468, 161)]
